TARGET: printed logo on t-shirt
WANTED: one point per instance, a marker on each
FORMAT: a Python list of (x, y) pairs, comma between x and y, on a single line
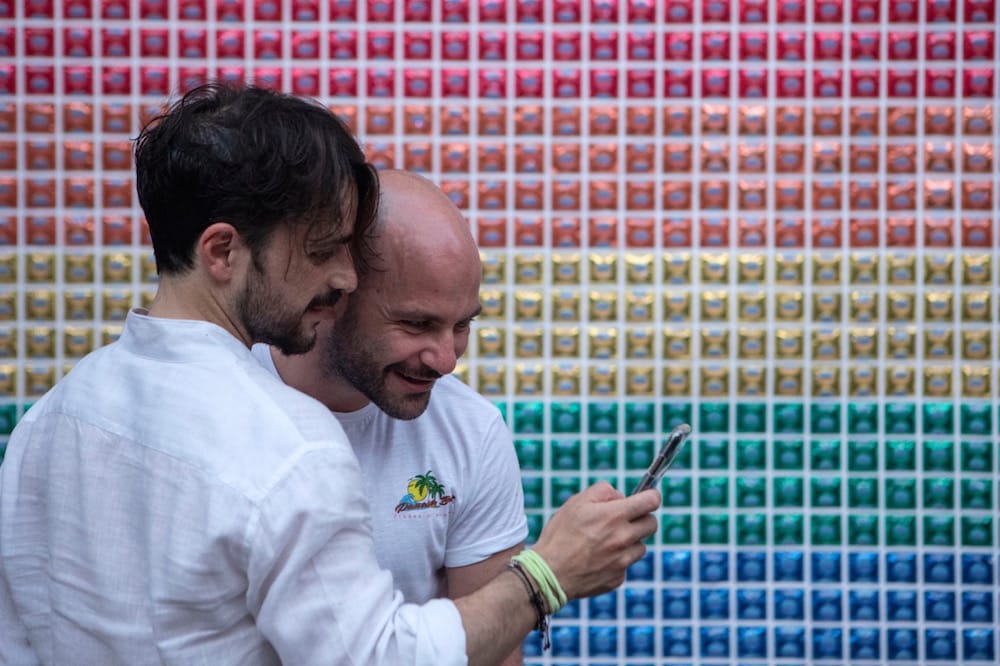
[(423, 491)]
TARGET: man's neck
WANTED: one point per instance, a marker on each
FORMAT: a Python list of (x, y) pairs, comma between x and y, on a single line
[(303, 372), (181, 298)]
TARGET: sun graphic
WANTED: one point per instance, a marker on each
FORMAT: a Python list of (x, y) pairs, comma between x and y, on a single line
[(417, 490)]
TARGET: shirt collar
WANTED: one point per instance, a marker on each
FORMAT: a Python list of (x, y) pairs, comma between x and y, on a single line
[(177, 340)]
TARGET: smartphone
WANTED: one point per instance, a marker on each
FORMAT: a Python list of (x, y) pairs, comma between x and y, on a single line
[(664, 458)]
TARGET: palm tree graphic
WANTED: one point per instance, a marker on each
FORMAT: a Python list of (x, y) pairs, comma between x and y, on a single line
[(427, 482)]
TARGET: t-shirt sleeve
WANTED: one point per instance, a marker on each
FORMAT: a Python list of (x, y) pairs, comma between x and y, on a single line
[(315, 586), (492, 517)]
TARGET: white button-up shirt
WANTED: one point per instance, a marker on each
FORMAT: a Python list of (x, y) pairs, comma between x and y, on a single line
[(171, 501)]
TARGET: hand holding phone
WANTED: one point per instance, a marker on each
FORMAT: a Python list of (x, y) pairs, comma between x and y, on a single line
[(664, 458)]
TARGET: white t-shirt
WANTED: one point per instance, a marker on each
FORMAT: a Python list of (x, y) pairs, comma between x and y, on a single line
[(171, 501), (468, 504)]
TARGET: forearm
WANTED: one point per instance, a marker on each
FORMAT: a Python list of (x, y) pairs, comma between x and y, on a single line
[(496, 618)]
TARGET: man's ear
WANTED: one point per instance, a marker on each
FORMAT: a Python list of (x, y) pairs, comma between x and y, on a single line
[(221, 251)]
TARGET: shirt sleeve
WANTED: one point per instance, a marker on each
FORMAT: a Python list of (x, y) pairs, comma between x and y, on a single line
[(14, 645), (315, 586), (492, 517)]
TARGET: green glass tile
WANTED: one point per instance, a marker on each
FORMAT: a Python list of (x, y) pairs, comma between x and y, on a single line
[(939, 456), (602, 418), (713, 417), (535, 524), (676, 492), (751, 454), (713, 529), (602, 454), (901, 531), (751, 529), (684, 457), (862, 493), (939, 531), (640, 417), (676, 413), (788, 418), (713, 492), (824, 419), (530, 454), (862, 456), (751, 492), (751, 417), (939, 494), (529, 417), (565, 454), (824, 455), (862, 418), (900, 494), (787, 492), (712, 454), (8, 418), (788, 455), (824, 530), (534, 492), (788, 530), (611, 479), (825, 492), (977, 532), (900, 455), (502, 406), (900, 418), (976, 419), (3, 451), (639, 453), (631, 483), (562, 488), (676, 529), (977, 457), (939, 418), (977, 494), (862, 530), (566, 417)]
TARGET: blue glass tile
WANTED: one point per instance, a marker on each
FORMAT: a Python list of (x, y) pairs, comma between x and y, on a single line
[(978, 645), (677, 642), (751, 604), (827, 605), (639, 603), (901, 567), (902, 644), (751, 567), (714, 604), (642, 569), (677, 566), (603, 606), (862, 567), (826, 567), (939, 606), (864, 643), (940, 645), (565, 641), (977, 607), (602, 641), (677, 604), (569, 611), (789, 605), (901, 606), (864, 606), (977, 569), (827, 644), (713, 566), (714, 641), (532, 645), (639, 641), (939, 568), (789, 642), (751, 642), (788, 566)]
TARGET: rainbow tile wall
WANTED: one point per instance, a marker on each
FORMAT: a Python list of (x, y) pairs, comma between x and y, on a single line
[(773, 219)]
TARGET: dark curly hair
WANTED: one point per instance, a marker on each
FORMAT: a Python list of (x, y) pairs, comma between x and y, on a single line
[(256, 159)]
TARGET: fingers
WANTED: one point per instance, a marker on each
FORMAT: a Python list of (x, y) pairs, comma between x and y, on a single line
[(602, 491), (642, 503)]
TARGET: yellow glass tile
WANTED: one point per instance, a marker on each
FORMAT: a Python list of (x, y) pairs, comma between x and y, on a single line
[(528, 342)]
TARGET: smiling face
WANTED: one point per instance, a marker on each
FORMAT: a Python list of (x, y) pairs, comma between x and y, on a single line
[(290, 288), (409, 321)]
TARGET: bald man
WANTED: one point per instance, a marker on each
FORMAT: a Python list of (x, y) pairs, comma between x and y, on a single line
[(440, 472)]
